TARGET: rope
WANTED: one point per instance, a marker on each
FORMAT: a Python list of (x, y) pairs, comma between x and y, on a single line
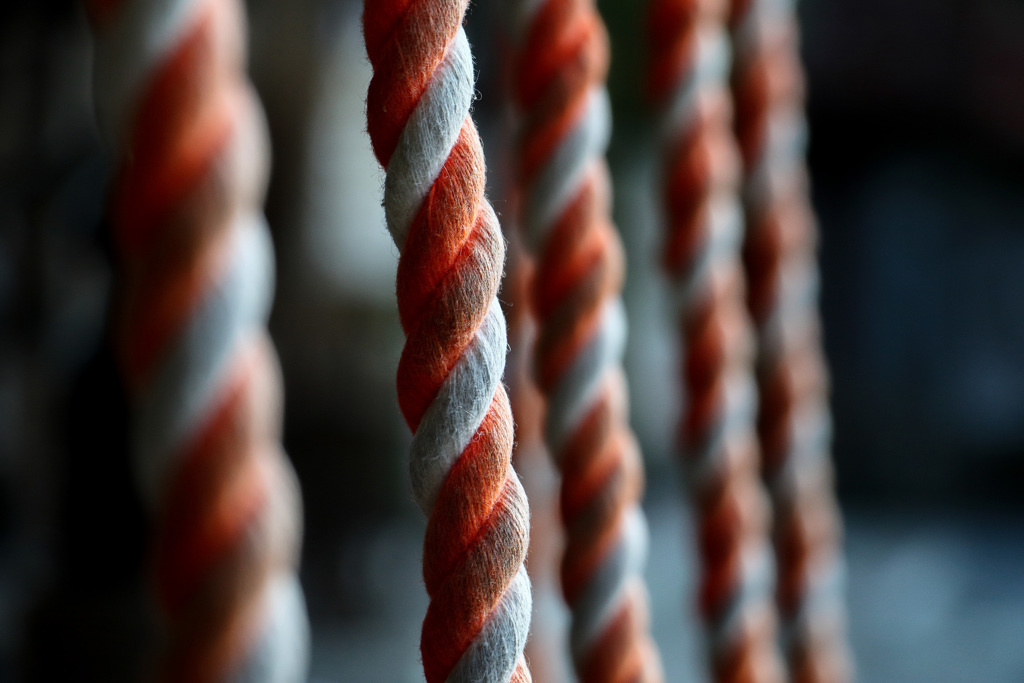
[(449, 376), (197, 274), (558, 86), (689, 68), (547, 645), (794, 422)]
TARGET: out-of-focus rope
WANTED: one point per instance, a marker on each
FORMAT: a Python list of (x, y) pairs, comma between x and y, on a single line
[(449, 377), (689, 80), (794, 423), (561, 58), (546, 647), (197, 273)]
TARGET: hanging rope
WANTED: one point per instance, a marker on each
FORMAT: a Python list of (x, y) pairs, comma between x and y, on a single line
[(688, 78), (197, 273), (449, 376), (559, 87), (546, 646), (794, 423)]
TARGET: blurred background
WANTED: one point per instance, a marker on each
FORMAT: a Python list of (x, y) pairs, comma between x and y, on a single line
[(917, 158)]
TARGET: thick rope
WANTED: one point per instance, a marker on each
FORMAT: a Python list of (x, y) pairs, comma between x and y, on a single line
[(560, 68), (449, 376), (197, 272), (794, 422), (688, 77)]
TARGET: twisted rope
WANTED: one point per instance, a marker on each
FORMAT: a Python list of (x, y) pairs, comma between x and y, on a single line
[(197, 272), (561, 66), (794, 422), (689, 68), (449, 376), (546, 647)]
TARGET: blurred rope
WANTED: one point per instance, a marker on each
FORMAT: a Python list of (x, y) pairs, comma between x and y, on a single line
[(794, 422), (560, 66), (546, 647), (688, 79), (197, 274)]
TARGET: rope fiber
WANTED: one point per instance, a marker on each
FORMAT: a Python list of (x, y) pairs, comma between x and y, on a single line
[(449, 376)]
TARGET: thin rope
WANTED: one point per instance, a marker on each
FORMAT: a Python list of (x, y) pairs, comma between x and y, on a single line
[(794, 423), (688, 78), (449, 376), (197, 271), (560, 67)]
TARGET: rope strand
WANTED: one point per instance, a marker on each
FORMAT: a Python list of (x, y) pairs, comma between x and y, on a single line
[(689, 67), (449, 376), (197, 272), (560, 66), (794, 422)]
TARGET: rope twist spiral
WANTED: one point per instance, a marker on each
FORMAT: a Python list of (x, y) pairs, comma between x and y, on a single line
[(197, 272), (560, 67), (688, 78), (794, 422), (449, 375)]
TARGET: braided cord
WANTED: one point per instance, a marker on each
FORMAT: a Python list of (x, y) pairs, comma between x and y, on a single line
[(197, 271), (689, 68), (794, 424), (558, 85), (449, 376)]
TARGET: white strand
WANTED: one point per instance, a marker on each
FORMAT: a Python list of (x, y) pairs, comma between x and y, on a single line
[(494, 653), (281, 654), (723, 240), (127, 50), (454, 416), (713, 61), (757, 578), (186, 385), (558, 182), (579, 387), (705, 463)]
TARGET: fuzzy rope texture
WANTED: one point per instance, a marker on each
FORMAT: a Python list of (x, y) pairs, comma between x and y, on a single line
[(449, 376), (197, 272), (688, 78), (794, 424), (560, 67)]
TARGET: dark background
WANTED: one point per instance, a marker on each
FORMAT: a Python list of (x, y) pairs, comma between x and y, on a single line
[(916, 112)]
